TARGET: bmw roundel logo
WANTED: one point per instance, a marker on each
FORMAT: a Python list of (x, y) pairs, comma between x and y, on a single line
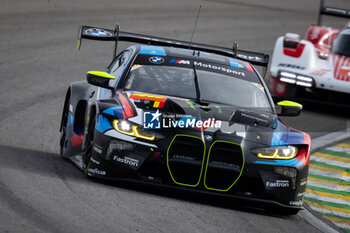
[(156, 60), (98, 32), (208, 137)]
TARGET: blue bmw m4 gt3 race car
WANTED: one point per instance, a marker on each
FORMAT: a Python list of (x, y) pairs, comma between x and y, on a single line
[(188, 116)]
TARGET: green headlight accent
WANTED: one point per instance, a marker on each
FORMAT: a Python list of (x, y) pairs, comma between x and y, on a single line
[(289, 104), (101, 74), (206, 168), (167, 160)]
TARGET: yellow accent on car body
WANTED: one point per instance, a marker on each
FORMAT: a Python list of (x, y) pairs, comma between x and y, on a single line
[(289, 104), (101, 74)]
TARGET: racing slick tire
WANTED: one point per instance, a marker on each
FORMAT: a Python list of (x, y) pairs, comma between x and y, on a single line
[(64, 123), (89, 145)]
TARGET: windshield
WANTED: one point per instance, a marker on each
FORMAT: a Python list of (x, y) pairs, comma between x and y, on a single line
[(213, 87), (341, 45)]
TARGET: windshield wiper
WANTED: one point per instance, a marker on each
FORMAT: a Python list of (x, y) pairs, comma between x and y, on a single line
[(198, 93)]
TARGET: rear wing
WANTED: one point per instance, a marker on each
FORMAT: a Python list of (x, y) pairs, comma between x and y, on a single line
[(97, 33), (332, 11)]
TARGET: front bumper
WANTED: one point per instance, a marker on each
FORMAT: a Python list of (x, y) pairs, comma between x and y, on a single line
[(223, 166)]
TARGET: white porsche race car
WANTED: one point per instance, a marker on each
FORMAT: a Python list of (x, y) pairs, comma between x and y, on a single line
[(314, 68)]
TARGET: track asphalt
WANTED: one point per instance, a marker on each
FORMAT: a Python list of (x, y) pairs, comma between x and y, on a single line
[(40, 192)]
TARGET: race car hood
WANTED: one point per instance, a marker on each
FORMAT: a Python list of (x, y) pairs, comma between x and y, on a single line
[(175, 113)]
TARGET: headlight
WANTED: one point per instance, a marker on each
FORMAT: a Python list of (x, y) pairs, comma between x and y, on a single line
[(125, 127), (298, 79), (276, 152)]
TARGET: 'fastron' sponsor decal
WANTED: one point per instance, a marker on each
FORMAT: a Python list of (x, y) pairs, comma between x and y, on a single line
[(278, 184)]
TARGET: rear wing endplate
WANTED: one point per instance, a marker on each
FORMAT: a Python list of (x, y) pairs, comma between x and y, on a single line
[(332, 11), (97, 33)]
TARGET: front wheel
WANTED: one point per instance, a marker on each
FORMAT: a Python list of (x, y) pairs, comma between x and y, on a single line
[(89, 145), (63, 129)]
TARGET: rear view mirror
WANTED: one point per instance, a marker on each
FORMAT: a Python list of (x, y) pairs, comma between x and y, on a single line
[(100, 79), (288, 108)]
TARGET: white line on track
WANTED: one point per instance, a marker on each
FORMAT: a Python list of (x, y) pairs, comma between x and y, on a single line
[(329, 174), (328, 211), (329, 139), (342, 225), (329, 186), (329, 199), (339, 149), (330, 162)]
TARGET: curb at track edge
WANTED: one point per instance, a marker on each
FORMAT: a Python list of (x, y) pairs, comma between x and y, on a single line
[(308, 214)]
